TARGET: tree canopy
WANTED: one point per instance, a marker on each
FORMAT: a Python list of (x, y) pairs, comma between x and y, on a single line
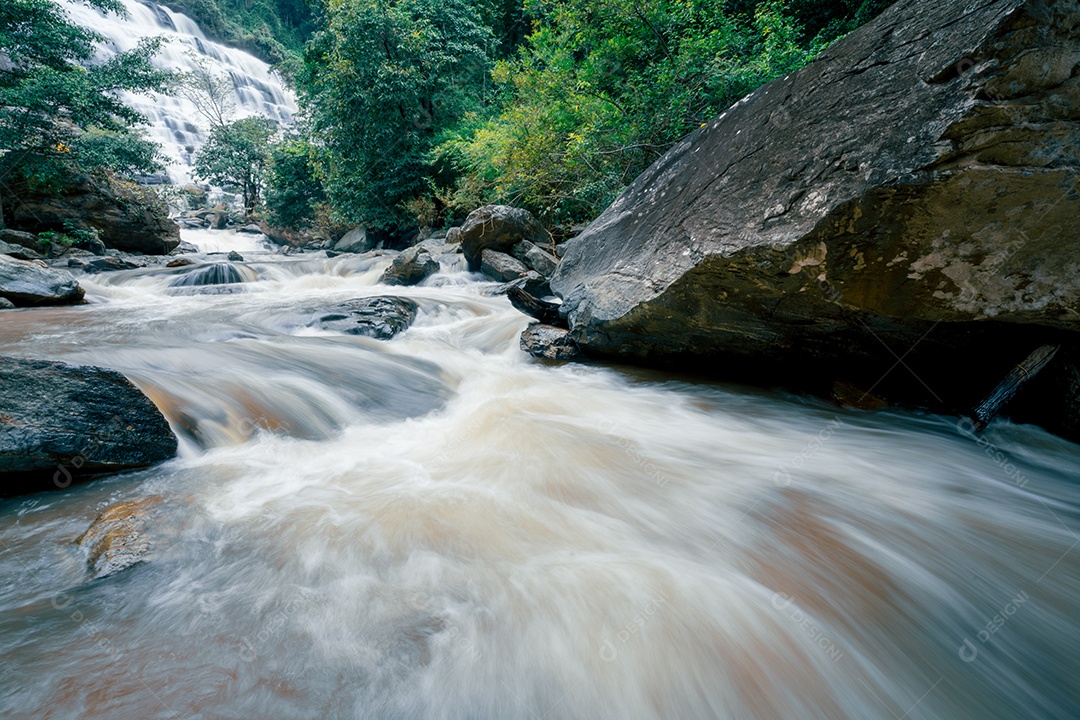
[(60, 111)]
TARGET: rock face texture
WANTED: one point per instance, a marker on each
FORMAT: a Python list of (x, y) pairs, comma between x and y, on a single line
[(496, 227), (411, 267), (128, 217), (25, 283), (380, 317), (549, 343), (120, 536), (917, 182), (64, 420)]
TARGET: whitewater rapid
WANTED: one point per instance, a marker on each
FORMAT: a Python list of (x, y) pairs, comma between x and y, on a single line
[(438, 526)]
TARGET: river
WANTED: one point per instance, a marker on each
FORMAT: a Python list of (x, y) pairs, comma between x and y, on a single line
[(437, 526)]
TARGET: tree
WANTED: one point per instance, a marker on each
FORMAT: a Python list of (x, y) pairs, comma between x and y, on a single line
[(381, 82), (60, 112), (212, 94), (294, 195), (236, 155), (602, 88)]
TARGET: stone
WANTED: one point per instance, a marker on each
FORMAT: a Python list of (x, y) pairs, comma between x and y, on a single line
[(355, 241), (25, 283), (18, 237), (496, 227), (912, 190), (235, 256), (62, 422), (184, 248), (380, 317), (250, 229), (549, 343), (180, 262), (19, 252), (502, 267), (411, 267), (536, 258), (109, 264), (121, 536), (6, 304), (127, 216)]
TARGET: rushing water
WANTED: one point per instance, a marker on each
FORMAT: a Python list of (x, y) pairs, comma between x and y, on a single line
[(172, 120), (437, 526)]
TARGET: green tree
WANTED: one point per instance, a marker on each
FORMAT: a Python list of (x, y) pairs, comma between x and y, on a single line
[(604, 87), (381, 82), (236, 155), (61, 112), (294, 195)]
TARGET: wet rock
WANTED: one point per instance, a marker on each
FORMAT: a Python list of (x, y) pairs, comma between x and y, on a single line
[(251, 229), (180, 262), (216, 274), (888, 192), (235, 256), (27, 283), (532, 283), (109, 264), (61, 421), (411, 267), (496, 227), (121, 536), (549, 343), (502, 267), (380, 317), (6, 304), (127, 217), (19, 252), (355, 241)]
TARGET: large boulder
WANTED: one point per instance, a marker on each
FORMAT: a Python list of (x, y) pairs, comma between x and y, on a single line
[(26, 283), (411, 267), (61, 421), (496, 227), (127, 217), (20, 252), (918, 180), (356, 240)]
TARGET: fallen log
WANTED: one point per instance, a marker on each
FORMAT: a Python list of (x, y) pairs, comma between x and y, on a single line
[(1007, 389), (544, 311)]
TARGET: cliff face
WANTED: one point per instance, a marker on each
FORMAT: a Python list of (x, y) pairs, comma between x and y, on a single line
[(918, 180)]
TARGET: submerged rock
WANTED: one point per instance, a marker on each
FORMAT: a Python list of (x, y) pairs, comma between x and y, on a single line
[(549, 343), (380, 317), (917, 180), (495, 227), (120, 536), (411, 267), (27, 283), (60, 421)]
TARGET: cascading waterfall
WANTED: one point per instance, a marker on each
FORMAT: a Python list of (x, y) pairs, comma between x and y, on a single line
[(436, 526), (173, 121)]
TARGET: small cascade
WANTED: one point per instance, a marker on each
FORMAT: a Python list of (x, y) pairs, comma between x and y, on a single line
[(173, 121)]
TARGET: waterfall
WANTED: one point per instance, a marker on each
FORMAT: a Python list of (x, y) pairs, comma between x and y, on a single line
[(173, 121)]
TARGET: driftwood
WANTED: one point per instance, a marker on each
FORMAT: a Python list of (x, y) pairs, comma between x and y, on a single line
[(545, 312), (1007, 389)]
